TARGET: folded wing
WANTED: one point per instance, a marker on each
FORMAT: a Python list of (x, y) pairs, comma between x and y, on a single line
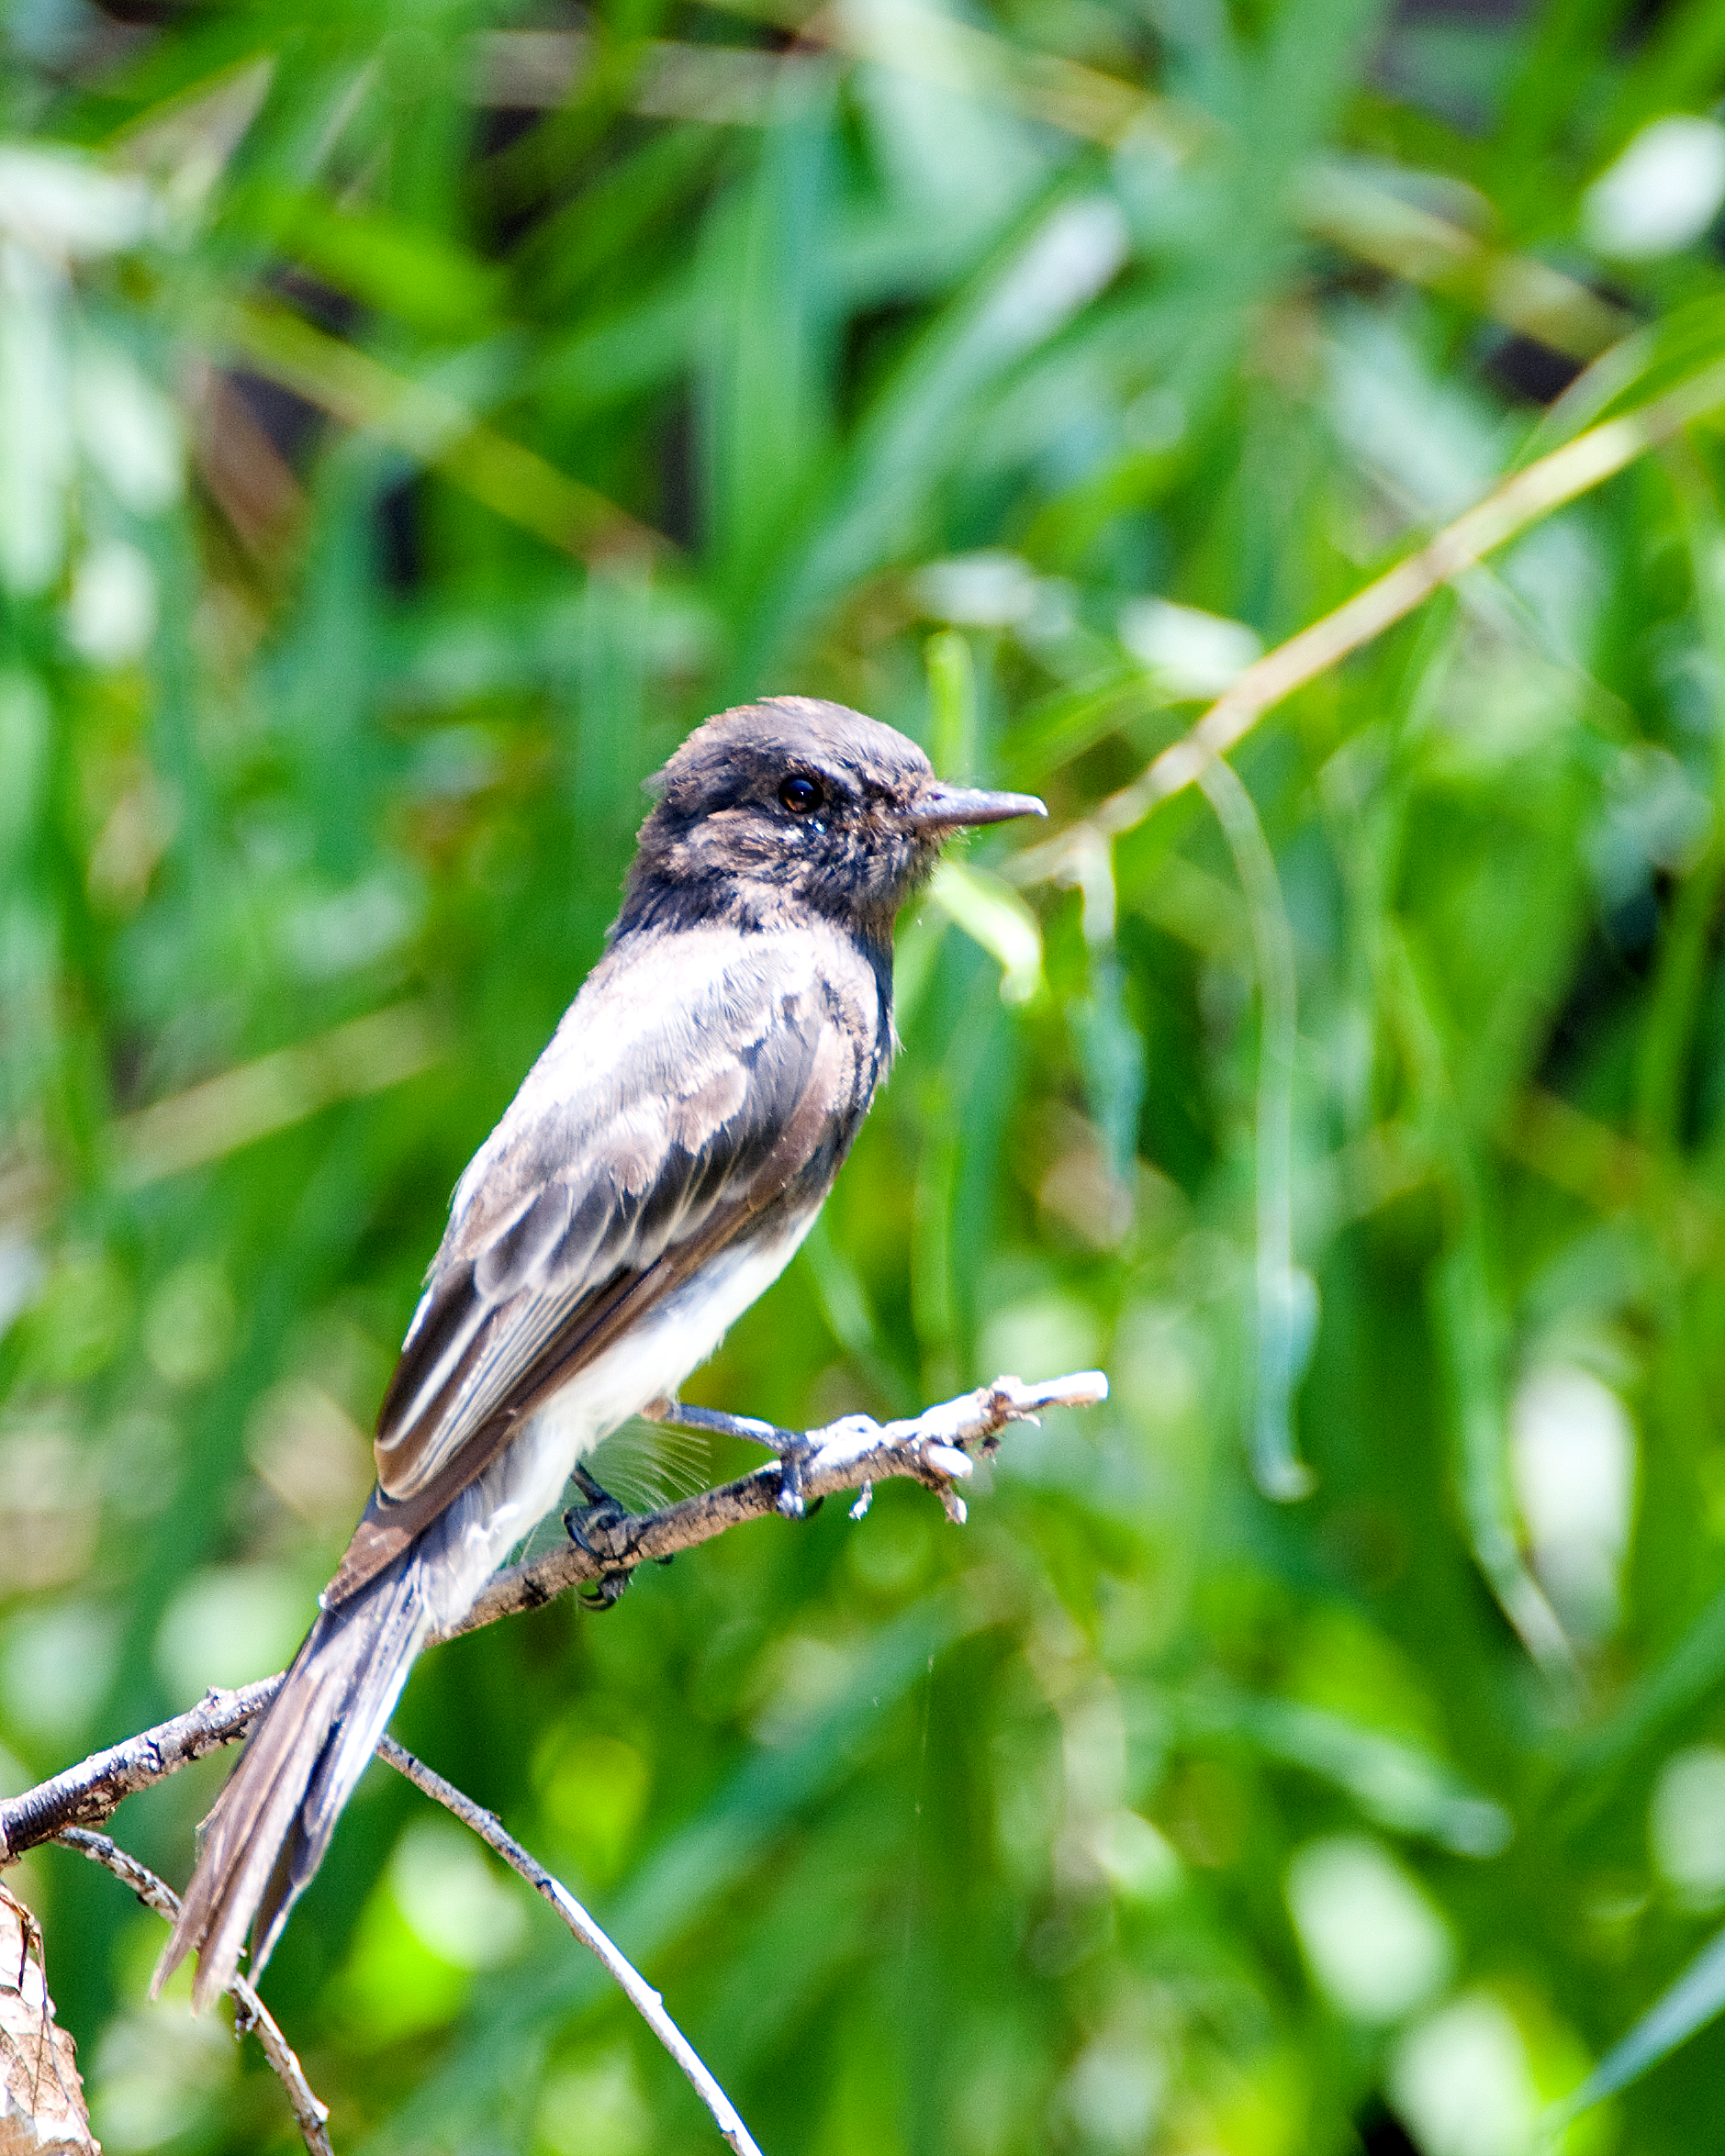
[(654, 1132)]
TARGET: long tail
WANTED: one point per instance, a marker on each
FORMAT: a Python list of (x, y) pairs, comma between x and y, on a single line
[(267, 1831)]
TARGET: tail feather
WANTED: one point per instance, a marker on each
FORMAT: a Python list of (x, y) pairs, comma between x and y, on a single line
[(267, 1831)]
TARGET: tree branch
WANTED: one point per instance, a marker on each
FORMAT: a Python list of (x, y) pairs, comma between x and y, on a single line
[(851, 1454), (310, 2116), (89, 1791), (646, 2002)]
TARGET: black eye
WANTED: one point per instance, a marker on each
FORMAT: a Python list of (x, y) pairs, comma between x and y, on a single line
[(801, 795)]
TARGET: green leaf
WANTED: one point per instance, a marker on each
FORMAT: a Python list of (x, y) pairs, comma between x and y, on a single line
[(1695, 1999), (992, 914)]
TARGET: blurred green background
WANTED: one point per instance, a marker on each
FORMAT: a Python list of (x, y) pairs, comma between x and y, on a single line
[(412, 418)]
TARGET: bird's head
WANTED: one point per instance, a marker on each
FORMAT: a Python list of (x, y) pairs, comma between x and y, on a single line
[(795, 801)]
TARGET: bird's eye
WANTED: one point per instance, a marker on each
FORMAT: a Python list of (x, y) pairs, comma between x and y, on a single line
[(801, 795)]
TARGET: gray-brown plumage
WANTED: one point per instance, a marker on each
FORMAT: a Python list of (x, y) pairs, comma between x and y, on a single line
[(656, 1172)]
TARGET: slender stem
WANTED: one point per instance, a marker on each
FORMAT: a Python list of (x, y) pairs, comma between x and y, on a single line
[(310, 2116), (646, 2002), (434, 427), (1283, 1314), (1521, 501)]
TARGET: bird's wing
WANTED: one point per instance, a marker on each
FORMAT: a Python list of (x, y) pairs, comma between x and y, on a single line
[(683, 1095)]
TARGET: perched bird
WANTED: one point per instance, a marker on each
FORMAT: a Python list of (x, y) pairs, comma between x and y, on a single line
[(660, 1164)]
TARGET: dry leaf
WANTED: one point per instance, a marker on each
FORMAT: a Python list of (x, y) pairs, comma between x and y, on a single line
[(41, 2098)]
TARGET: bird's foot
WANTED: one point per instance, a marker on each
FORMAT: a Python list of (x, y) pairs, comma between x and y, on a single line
[(592, 1527), (793, 1449), (848, 1444), (930, 1447)]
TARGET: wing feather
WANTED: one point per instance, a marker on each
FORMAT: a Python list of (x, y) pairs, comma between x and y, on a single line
[(611, 1178)]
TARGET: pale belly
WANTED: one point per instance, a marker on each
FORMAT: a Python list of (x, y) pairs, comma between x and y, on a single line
[(650, 1361)]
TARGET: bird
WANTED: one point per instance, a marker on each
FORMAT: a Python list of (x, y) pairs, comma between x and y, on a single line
[(655, 1174)]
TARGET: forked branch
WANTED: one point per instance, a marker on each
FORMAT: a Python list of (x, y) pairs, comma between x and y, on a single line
[(852, 1454)]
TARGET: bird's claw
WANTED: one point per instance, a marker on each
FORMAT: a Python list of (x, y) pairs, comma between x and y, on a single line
[(940, 1465), (795, 1451), (795, 1457), (592, 1527)]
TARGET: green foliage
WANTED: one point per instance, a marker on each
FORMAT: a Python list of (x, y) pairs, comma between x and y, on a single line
[(412, 418)]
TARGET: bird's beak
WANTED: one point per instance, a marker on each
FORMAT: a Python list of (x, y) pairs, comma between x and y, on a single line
[(940, 807)]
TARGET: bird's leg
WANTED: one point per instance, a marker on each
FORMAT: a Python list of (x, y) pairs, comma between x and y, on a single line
[(592, 1490), (793, 1449), (589, 1527)]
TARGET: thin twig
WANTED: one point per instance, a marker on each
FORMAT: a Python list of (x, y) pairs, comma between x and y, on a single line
[(310, 2116), (646, 2002), (436, 429), (848, 1455), (1523, 499)]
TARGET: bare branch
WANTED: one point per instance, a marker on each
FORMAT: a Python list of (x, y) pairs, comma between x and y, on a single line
[(646, 2002), (89, 1791), (851, 1454), (310, 2116)]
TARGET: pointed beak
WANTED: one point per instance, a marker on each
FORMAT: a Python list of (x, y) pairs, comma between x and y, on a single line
[(940, 807)]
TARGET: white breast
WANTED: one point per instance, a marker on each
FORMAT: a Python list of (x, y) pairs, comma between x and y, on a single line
[(651, 1360)]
